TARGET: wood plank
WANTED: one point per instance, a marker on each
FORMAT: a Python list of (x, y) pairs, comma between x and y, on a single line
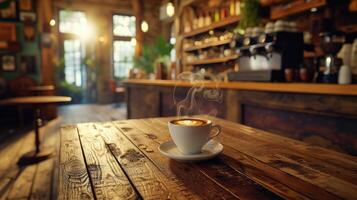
[(109, 181), (22, 186), (74, 181), (280, 12), (335, 187), (188, 175), (14, 172), (222, 23), (262, 176), (334, 163), (235, 181), (211, 60), (308, 88), (41, 189), (232, 180), (207, 45), (218, 171), (262, 151), (150, 182), (280, 182)]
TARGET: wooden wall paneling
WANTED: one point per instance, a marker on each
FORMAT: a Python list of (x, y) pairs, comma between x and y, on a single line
[(338, 133), (315, 104), (233, 107), (327, 121), (128, 101), (144, 102)]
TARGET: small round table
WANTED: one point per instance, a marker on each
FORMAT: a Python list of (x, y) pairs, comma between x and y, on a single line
[(36, 102)]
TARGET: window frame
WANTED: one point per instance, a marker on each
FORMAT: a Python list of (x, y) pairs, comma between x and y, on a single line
[(119, 38), (70, 36)]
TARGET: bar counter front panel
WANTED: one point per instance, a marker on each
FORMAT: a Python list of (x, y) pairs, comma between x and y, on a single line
[(303, 113)]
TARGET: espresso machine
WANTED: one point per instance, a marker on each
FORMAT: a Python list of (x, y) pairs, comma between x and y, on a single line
[(331, 43), (265, 57)]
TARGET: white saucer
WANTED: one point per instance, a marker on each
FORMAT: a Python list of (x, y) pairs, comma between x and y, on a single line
[(209, 150)]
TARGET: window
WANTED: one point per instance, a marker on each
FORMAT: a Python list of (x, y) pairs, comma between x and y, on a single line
[(124, 25), (123, 58), (71, 25), (72, 21), (72, 61), (123, 45)]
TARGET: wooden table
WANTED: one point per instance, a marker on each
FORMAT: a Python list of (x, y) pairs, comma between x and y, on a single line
[(120, 160), (36, 102)]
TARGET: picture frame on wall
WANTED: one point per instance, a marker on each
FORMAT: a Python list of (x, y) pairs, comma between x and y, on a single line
[(8, 31), (29, 31), (27, 16), (11, 12), (8, 62), (28, 64), (27, 5)]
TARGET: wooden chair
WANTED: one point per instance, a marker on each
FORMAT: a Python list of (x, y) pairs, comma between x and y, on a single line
[(19, 87), (118, 91)]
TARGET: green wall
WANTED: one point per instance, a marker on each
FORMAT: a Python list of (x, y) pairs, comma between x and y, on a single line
[(31, 48)]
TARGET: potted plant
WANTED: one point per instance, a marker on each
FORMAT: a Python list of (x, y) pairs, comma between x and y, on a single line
[(249, 15), (154, 56)]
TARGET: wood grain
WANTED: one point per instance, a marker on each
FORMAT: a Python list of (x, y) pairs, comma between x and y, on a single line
[(328, 89), (123, 161), (295, 147), (41, 189), (191, 177), (225, 176), (74, 181), (22, 187), (328, 186), (261, 173), (109, 181), (150, 182), (263, 151)]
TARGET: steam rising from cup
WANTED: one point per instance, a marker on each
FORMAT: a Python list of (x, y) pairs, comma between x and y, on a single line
[(198, 99)]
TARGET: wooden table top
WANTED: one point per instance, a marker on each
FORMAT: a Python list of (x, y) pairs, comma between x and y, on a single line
[(34, 100), (120, 160)]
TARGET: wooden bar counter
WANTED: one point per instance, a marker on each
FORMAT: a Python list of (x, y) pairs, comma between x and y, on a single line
[(319, 114)]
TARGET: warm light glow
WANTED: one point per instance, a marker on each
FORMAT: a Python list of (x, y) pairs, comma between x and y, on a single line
[(133, 41), (52, 22), (172, 40), (86, 32), (101, 39), (170, 9), (144, 26), (313, 9)]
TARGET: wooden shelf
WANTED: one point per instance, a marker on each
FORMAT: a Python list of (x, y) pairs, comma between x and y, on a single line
[(212, 60), (228, 21), (308, 54), (221, 42), (308, 88), (352, 28), (294, 8)]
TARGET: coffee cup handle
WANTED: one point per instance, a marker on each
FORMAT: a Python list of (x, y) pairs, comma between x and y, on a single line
[(217, 131)]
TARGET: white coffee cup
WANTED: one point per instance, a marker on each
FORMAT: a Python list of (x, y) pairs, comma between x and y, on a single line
[(191, 134)]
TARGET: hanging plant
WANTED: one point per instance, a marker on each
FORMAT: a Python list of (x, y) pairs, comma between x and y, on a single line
[(249, 15)]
